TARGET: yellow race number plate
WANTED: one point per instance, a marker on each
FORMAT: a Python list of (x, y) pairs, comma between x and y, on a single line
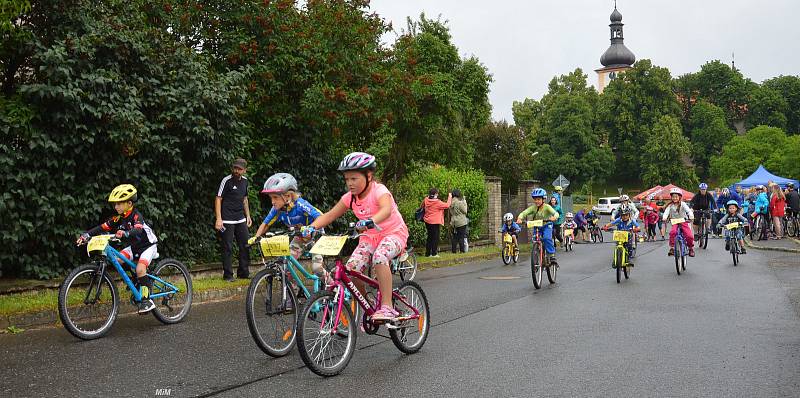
[(329, 245)]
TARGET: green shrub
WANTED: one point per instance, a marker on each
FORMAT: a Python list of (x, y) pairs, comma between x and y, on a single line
[(410, 192)]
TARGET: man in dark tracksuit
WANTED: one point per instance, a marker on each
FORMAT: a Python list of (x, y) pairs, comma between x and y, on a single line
[(233, 219)]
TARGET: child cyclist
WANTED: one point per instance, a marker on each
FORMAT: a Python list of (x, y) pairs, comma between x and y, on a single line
[(129, 223), (511, 228), (678, 209), (291, 210), (570, 224), (625, 222), (733, 216), (373, 205), (542, 211), (651, 223)]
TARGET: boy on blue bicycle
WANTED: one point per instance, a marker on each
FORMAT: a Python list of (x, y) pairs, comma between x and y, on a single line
[(733, 216), (129, 223), (292, 210), (625, 223)]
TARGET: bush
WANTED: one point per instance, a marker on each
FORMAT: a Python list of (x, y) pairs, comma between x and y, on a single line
[(411, 190)]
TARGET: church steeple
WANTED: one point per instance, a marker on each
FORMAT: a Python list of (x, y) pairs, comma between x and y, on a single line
[(617, 58)]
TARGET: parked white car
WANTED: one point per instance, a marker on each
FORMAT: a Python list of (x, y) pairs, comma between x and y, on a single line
[(606, 205)]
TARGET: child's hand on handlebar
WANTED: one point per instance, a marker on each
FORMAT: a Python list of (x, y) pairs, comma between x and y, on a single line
[(307, 231), (83, 238), (363, 225), (252, 241)]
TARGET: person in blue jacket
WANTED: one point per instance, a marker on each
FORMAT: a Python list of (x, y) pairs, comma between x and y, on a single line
[(510, 227)]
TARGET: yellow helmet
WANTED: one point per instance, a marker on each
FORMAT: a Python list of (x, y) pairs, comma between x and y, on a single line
[(123, 193), (558, 188)]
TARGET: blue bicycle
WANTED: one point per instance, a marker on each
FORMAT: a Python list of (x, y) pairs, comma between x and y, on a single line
[(275, 294), (88, 299), (681, 250)]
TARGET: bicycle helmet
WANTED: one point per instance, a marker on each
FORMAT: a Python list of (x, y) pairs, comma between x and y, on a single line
[(508, 217), (789, 185), (624, 210), (538, 193), (624, 198), (280, 183), (123, 193), (676, 191), (726, 191), (732, 202), (558, 188), (570, 215), (357, 161), (703, 186)]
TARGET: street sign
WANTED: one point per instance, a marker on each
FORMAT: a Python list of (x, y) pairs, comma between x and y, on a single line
[(561, 181)]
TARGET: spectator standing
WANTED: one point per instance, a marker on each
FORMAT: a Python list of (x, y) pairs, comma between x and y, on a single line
[(793, 199), (777, 209), (232, 212), (557, 224), (434, 219), (459, 222)]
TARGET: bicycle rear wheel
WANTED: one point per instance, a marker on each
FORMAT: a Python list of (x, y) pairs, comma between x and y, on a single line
[(324, 346), (677, 254), (735, 251), (271, 310), (536, 265), (408, 268), (552, 272), (791, 227), (506, 255), (174, 307), (410, 335), (88, 303)]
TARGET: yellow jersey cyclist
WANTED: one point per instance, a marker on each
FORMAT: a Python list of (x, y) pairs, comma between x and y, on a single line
[(289, 208), (129, 223), (542, 211)]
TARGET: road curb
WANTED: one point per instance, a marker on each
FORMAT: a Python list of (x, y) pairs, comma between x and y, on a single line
[(775, 249)]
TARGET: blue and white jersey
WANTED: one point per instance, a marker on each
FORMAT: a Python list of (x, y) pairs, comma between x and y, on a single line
[(300, 213)]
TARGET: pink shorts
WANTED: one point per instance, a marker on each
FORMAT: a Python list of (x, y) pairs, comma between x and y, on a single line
[(365, 254)]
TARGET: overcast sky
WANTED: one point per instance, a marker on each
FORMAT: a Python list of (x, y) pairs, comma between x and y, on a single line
[(524, 43)]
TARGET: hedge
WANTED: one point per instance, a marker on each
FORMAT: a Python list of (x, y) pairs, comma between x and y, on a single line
[(411, 190)]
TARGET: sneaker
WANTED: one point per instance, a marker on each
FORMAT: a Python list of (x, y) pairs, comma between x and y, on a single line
[(742, 250), (727, 246), (146, 306), (630, 264), (553, 261), (228, 278), (691, 252), (671, 251), (385, 313)]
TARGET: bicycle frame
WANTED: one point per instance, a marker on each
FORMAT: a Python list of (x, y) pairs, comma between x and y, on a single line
[(680, 241), (293, 266), (625, 253), (343, 283), (115, 258)]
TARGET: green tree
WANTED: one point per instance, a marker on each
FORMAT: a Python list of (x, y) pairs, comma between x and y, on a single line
[(767, 107), (526, 115), (500, 151), (666, 152), (709, 133), (761, 145), (789, 88), (629, 109), (720, 85)]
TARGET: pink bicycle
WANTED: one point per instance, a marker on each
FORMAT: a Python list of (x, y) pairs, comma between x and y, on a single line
[(327, 326)]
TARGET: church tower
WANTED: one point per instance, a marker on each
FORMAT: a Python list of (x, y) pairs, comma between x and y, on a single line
[(617, 59)]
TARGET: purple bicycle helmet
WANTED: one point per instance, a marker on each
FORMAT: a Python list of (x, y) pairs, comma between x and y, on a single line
[(357, 161)]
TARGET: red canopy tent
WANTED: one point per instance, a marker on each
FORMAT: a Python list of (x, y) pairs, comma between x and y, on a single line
[(644, 194), (663, 193)]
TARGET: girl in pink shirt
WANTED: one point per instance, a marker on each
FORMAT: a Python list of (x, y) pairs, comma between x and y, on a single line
[(371, 202)]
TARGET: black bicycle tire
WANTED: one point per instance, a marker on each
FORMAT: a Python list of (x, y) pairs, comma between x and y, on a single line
[(618, 263), (249, 306), (536, 253), (395, 333), (189, 292), (352, 336), (677, 254), (63, 312), (506, 253)]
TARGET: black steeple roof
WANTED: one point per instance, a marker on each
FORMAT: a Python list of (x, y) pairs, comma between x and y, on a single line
[(617, 54)]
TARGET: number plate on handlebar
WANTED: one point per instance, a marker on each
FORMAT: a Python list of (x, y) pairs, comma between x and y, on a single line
[(535, 223), (677, 221), (732, 225), (620, 236), (329, 245), (507, 238), (98, 243), (276, 246)]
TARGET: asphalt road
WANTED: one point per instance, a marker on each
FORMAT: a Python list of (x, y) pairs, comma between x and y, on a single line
[(716, 330)]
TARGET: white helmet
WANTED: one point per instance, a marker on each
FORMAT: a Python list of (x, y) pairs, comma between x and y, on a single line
[(280, 183), (676, 191), (570, 215), (508, 217), (624, 198)]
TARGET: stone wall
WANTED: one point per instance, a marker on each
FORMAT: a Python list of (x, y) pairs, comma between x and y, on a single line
[(494, 209)]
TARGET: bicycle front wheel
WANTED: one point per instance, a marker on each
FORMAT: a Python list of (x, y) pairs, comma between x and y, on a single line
[(271, 309), (735, 252), (618, 263), (326, 347), (677, 256), (408, 269), (88, 303), (410, 335), (173, 307), (536, 265), (506, 254)]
